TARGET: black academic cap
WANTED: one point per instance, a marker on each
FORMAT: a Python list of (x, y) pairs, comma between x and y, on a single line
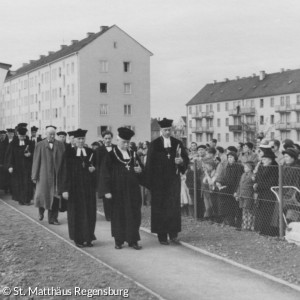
[(79, 133), (165, 123), (125, 133)]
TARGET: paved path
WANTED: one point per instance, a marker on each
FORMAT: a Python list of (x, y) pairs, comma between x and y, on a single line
[(174, 272)]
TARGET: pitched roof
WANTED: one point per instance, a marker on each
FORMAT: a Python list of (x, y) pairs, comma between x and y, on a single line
[(184, 119), (66, 50), (286, 82), (4, 66)]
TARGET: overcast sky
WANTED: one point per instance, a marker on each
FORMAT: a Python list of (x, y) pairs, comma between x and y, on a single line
[(194, 42)]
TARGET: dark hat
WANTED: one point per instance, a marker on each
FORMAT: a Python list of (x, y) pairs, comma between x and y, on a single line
[(2, 131), (62, 133), (79, 133), (232, 149), (22, 125), (10, 130), (201, 146), (165, 123), (214, 141), (249, 145), (287, 143), (232, 153), (268, 153), (34, 129), (71, 133), (50, 126), (125, 133), (220, 149), (22, 130), (292, 152)]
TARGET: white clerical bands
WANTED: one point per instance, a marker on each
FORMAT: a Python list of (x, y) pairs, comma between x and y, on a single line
[(79, 151)]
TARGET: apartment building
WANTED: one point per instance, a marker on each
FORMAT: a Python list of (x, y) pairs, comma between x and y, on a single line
[(238, 110), (100, 82)]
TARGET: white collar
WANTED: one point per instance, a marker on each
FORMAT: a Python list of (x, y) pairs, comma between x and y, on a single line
[(79, 151), (21, 143), (124, 153), (167, 142)]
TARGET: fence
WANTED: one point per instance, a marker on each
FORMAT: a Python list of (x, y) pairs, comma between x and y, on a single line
[(264, 200)]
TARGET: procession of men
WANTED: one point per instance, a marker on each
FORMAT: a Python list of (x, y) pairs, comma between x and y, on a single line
[(61, 176)]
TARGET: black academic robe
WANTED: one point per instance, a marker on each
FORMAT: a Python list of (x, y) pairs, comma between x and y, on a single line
[(21, 176), (3, 171), (82, 196), (117, 177), (163, 180)]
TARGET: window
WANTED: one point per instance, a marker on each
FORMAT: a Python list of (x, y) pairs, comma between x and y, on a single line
[(252, 103), (210, 107), (207, 108), (190, 109), (226, 106), (103, 109), (73, 89), (73, 111), (272, 119), (287, 99), (218, 107), (282, 101), (59, 92), (103, 66), (227, 121), (298, 99), (200, 107), (59, 72), (127, 109), (127, 66), (68, 90), (261, 103), (127, 88), (64, 101), (103, 88), (219, 137), (68, 68), (298, 117), (261, 120), (190, 123), (72, 68), (190, 137), (272, 102), (115, 45), (272, 135), (219, 122), (227, 137)]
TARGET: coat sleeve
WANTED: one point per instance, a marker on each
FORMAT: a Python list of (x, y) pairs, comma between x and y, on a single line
[(36, 164), (105, 176), (9, 157)]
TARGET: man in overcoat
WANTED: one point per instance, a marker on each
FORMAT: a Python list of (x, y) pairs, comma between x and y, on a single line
[(49, 175)]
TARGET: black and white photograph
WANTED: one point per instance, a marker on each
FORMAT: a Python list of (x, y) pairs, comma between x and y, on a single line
[(150, 149)]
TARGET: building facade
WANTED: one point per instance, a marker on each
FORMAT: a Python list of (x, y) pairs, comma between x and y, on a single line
[(101, 82), (239, 110), (179, 129)]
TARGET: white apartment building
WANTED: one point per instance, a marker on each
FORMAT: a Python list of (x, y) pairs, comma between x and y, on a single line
[(238, 110), (3, 72), (100, 82)]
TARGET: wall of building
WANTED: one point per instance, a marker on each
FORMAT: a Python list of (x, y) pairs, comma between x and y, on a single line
[(102, 62)]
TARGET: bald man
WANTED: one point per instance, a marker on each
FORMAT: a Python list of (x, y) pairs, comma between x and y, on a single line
[(49, 175)]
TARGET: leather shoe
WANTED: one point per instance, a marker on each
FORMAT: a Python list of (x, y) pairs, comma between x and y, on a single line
[(164, 243), (89, 244), (41, 217), (135, 246), (54, 223), (118, 246), (79, 245)]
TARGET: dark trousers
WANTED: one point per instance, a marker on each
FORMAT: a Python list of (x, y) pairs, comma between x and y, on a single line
[(107, 208), (53, 212), (163, 237)]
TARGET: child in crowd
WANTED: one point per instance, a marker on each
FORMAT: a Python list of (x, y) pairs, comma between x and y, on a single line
[(245, 194), (208, 187)]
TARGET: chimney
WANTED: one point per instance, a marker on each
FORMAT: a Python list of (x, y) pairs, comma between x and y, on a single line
[(63, 46), (237, 77), (25, 64), (103, 28), (50, 52), (254, 75), (31, 61), (226, 79), (262, 75), (42, 56), (89, 34), (74, 42), (215, 81), (281, 70)]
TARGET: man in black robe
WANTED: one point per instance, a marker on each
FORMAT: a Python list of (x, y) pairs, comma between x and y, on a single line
[(100, 154), (119, 182), (166, 160), (19, 163), (3, 170), (34, 138), (81, 192)]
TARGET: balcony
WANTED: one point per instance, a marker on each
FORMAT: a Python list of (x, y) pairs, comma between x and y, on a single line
[(235, 128), (247, 111), (284, 126), (203, 114), (250, 126), (203, 129), (284, 108), (295, 125), (233, 112)]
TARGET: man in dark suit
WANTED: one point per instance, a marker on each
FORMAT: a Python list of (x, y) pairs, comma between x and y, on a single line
[(166, 160), (100, 153)]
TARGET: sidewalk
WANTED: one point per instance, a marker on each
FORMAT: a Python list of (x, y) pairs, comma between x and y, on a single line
[(174, 272)]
